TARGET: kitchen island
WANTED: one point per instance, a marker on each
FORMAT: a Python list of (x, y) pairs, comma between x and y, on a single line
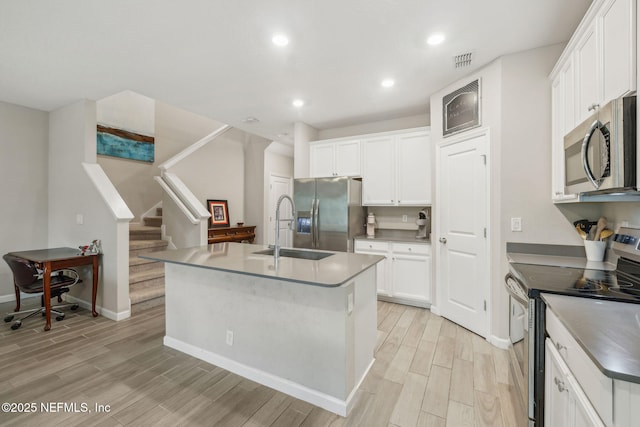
[(307, 328)]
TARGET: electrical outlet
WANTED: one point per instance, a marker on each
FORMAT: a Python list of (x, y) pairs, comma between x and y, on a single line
[(79, 219), (404, 218), (516, 224), (229, 337)]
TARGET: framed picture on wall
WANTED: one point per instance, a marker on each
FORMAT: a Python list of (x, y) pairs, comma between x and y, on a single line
[(461, 109), (219, 210)]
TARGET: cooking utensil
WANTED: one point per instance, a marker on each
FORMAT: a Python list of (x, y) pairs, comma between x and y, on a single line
[(602, 223), (605, 234), (581, 232)]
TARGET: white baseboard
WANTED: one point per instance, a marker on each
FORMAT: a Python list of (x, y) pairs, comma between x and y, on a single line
[(435, 310), (405, 301), (109, 314), (12, 297), (499, 342), (322, 400)]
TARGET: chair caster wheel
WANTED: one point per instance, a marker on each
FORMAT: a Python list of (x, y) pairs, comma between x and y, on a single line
[(16, 325), (74, 307), (8, 318), (59, 318)]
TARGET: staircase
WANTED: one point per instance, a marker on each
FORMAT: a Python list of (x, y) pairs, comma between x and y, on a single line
[(146, 277)]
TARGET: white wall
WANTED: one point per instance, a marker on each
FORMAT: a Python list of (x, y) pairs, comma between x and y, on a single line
[(72, 141), (409, 122), (216, 171), (175, 129), (24, 151), (516, 107), (302, 134), (254, 152)]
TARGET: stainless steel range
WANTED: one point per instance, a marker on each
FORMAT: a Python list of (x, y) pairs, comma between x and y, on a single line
[(525, 283)]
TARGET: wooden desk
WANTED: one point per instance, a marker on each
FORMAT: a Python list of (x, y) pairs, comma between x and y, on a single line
[(55, 259), (232, 234)]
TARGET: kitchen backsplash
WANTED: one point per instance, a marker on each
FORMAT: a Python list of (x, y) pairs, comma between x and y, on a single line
[(391, 217)]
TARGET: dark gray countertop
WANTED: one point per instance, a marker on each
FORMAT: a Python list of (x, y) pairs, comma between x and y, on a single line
[(608, 331), (242, 258), (389, 235)]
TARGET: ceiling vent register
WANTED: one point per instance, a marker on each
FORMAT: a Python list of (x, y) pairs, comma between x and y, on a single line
[(462, 60)]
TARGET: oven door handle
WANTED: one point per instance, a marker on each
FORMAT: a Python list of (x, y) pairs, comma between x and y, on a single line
[(510, 283)]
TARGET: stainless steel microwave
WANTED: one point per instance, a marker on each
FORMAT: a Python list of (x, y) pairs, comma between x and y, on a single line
[(600, 153)]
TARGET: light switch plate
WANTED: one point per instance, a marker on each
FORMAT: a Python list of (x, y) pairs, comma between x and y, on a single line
[(516, 224)]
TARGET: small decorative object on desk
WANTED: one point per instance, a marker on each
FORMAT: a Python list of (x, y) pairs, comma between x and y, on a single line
[(240, 223), (94, 248)]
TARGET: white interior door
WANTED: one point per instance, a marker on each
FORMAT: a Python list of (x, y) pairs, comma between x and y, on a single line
[(279, 185), (463, 266)]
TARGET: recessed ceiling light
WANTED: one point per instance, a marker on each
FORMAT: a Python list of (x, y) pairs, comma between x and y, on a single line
[(280, 40), (298, 103), (388, 82), (435, 39)]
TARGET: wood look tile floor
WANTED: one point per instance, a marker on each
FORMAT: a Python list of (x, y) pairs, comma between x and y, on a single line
[(428, 372)]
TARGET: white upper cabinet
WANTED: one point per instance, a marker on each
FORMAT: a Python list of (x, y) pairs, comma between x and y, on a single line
[(397, 169), (334, 158), (588, 73), (618, 24), (598, 65), (414, 169), (379, 171)]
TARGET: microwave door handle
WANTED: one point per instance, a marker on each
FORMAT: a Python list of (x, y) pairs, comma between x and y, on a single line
[(585, 148)]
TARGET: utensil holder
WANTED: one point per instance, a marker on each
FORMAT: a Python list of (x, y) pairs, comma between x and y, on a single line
[(595, 250)]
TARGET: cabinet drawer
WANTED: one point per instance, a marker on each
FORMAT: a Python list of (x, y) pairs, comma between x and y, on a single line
[(597, 386), (411, 248), (370, 245)]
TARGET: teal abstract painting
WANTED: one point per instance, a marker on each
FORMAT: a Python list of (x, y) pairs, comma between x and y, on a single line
[(128, 145)]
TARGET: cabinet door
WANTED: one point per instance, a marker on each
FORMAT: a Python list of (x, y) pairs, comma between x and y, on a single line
[(347, 158), (587, 73), (557, 140), (412, 277), (618, 18), (322, 160), (378, 171), (414, 169), (556, 395), (582, 413)]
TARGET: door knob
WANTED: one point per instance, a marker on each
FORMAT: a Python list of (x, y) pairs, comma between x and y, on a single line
[(443, 240)]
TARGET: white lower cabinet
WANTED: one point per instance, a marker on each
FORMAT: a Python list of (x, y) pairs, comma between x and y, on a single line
[(565, 402), (404, 276)]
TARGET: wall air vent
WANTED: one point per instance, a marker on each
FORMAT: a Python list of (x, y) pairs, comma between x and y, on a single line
[(462, 60)]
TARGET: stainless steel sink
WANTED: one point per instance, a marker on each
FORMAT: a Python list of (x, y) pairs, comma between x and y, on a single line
[(296, 253)]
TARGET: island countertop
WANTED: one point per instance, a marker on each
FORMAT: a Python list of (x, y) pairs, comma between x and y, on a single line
[(241, 258)]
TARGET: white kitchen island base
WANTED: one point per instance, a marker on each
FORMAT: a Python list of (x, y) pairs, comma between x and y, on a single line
[(315, 343)]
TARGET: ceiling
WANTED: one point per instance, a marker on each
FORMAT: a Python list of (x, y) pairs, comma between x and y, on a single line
[(216, 58)]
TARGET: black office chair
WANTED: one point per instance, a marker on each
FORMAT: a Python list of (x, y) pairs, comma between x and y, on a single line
[(28, 279)]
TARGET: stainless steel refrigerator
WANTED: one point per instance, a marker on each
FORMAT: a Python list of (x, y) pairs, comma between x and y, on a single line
[(329, 213)]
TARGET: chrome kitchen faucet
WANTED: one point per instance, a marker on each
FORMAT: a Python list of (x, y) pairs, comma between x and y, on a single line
[(276, 246)]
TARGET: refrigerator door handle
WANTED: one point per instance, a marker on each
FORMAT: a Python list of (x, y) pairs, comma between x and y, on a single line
[(313, 223), (316, 225)]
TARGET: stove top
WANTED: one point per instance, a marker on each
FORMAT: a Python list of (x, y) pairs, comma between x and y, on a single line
[(612, 285), (622, 284)]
